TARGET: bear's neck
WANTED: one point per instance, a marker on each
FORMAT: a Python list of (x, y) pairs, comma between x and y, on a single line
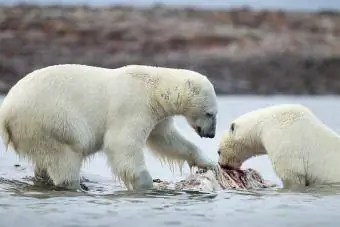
[(268, 133), (171, 99), (260, 139), (170, 94), (165, 87)]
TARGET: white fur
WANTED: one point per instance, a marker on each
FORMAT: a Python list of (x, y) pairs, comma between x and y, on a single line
[(302, 149), (59, 115)]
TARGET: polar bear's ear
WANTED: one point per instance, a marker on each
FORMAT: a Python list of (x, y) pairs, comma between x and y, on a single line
[(232, 127)]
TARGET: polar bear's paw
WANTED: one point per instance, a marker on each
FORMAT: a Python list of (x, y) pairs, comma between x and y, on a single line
[(70, 186), (143, 181), (202, 161)]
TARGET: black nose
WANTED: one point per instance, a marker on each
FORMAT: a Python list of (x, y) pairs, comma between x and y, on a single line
[(208, 135), (212, 135)]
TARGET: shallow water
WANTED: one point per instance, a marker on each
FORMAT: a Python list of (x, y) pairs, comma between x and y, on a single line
[(108, 204)]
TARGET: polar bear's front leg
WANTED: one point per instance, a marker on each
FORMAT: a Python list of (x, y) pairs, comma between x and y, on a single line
[(126, 159), (166, 142)]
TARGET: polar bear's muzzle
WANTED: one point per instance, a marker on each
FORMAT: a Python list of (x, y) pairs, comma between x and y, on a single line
[(207, 132), (210, 134), (204, 125)]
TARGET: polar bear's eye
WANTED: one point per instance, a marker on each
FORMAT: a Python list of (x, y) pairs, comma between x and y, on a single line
[(232, 127), (209, 114)]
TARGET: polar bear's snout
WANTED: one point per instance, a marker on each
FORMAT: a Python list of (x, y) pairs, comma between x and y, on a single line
[(210, 132), (206, 126), (201, 133)]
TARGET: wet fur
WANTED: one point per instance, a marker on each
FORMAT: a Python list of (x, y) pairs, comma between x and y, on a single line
[(302, 149), (57, 121)]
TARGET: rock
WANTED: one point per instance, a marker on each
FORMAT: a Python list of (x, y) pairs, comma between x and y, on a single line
[(242, 51)]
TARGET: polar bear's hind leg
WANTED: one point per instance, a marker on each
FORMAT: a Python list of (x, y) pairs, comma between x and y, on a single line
[(62, 166)]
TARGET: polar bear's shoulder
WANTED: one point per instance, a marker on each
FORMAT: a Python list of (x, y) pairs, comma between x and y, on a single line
[(280, 110), (283, 114), (286, 114)]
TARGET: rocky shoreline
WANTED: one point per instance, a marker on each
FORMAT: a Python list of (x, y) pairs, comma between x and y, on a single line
[(241, 50)]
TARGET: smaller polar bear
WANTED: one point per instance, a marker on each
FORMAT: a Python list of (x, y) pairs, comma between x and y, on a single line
[(302, 149), (59, 115)]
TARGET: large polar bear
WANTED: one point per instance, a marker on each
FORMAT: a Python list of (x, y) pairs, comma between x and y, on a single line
[(59, 115), (302, 149)]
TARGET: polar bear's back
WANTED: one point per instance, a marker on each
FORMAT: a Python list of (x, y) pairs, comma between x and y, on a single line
[(296, 122), (61, 80), (298, 140), (60, 100), (54, 89), (64, 79), (77, 85)]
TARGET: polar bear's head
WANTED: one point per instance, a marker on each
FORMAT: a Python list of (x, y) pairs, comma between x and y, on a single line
[(201, 106), (245, 136), (187, 93), (243, 140)]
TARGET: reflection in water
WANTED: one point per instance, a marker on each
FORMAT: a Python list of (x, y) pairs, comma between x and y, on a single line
[(108, 204)]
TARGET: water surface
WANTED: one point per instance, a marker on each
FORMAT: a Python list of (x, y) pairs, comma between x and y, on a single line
[(108, 204)]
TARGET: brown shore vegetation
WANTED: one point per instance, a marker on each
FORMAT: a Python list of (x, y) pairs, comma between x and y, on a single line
[(242, 51)]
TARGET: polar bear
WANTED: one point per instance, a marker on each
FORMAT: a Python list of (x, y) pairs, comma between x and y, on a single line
[(303, 150), (59, 115)]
